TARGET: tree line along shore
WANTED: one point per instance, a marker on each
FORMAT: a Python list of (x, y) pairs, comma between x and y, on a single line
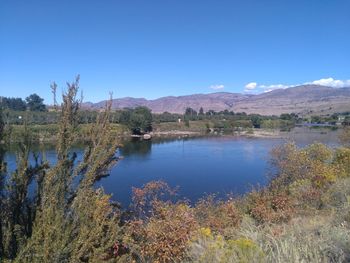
[(42, 121)]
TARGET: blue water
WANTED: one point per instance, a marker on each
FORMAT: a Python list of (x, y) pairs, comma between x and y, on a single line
[(198, 166)]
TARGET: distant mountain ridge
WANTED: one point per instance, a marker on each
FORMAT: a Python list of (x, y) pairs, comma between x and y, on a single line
[(304, 99)]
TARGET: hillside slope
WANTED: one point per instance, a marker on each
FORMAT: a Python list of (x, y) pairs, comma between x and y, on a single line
[(305, 99)]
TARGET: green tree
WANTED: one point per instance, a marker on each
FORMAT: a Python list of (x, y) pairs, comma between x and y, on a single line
[(125, 116), (35, 103), (285, 116), (201, 111), (256, 120), (210, 112), (316, 119), (140, 120), (346, 121), (16, 104), (190, 112)]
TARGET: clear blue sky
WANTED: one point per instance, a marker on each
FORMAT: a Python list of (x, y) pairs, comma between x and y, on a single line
[(154, 48)]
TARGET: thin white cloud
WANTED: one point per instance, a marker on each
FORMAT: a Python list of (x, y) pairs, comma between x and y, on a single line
[(251, 86), (217, 87), (329, 82)]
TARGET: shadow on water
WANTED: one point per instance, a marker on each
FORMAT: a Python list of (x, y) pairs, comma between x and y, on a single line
[(139, 147), (136, 147)]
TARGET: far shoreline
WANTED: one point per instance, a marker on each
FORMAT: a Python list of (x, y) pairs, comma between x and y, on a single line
[(40, 134)]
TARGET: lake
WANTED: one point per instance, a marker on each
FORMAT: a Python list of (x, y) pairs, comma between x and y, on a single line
[(198, 166)]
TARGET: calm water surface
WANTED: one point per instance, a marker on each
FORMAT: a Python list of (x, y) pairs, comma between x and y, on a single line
[(199, 166)]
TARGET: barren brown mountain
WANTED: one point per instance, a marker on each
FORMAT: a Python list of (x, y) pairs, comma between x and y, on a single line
[(305, 99)]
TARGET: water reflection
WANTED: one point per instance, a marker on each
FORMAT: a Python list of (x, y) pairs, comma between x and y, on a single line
[(136, 147), (306, 135)]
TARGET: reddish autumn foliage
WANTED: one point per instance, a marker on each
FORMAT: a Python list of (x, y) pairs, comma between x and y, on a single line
[(161, 229), (217, 214), (164, 236), (271, 208), (143, 198)]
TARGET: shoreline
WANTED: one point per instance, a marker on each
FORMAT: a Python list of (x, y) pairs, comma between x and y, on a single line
[(256, 133), (50, 137)]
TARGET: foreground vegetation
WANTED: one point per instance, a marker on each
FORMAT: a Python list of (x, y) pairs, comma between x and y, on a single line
[(54, 213)]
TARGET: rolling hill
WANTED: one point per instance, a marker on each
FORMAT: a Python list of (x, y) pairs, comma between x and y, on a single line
[(305, 100)]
